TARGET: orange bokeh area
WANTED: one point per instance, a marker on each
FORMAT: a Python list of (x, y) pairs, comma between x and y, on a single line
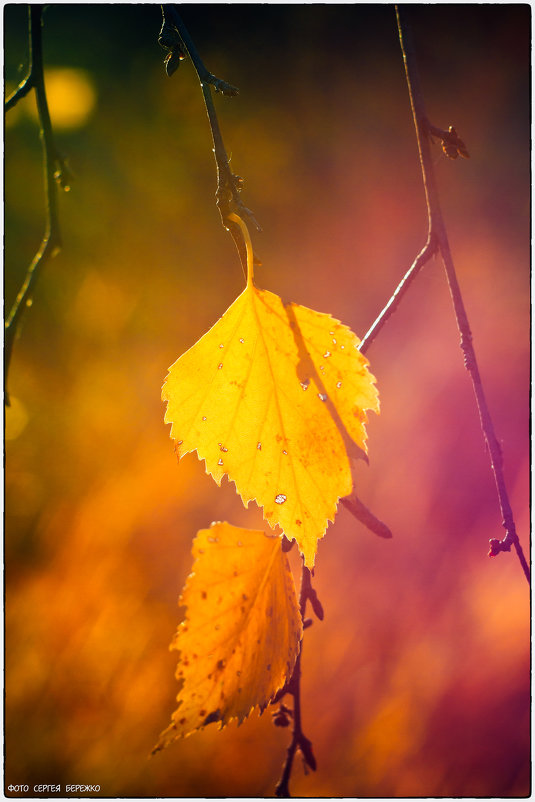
[(417, 682)]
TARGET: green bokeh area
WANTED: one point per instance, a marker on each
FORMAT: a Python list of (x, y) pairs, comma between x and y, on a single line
[(417, 683)]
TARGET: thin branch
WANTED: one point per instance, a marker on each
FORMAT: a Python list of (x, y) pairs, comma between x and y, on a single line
[(427, 252), (28, 82), (25, 86), (299, 739), (365, 516), (229, 185), (437, 232), (53, 168)]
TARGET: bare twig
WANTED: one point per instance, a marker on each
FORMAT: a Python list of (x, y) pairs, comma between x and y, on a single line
[(25, 86), (437, 233), (229, 185), (427, 252), (365, 516), (53, 170), (299, 739)]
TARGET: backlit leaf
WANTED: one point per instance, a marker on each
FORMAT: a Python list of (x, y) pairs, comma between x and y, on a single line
[(275, 396), (240, 638)]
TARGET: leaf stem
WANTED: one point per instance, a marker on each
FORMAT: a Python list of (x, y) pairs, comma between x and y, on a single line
[(437, 234), (248, 246), (51, 242)]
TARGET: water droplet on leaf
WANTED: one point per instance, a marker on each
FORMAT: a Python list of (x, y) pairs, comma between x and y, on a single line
[(305, 384), (280, 498), (220, 366), (326, 354), (322, 397)]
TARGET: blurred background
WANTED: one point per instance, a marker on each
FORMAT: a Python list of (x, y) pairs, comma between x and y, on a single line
[(417, 683)]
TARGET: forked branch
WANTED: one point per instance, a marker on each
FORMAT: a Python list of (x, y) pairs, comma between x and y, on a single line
[(54, 173), (293, 687), (438, 236)]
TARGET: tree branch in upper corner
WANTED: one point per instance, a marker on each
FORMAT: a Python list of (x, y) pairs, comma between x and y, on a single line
[(229, 185), (54, 174)]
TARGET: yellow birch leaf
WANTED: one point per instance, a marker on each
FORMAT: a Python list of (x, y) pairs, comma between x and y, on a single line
[(275, 396), (240, 638)]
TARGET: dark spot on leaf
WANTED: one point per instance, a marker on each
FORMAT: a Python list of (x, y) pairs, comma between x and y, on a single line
[(211, 717)]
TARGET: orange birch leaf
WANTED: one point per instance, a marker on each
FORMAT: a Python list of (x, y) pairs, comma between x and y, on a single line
[(275, 397), (240, 638)]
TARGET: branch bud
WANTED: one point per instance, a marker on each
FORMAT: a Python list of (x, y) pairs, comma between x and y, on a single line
[(170, 40)]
